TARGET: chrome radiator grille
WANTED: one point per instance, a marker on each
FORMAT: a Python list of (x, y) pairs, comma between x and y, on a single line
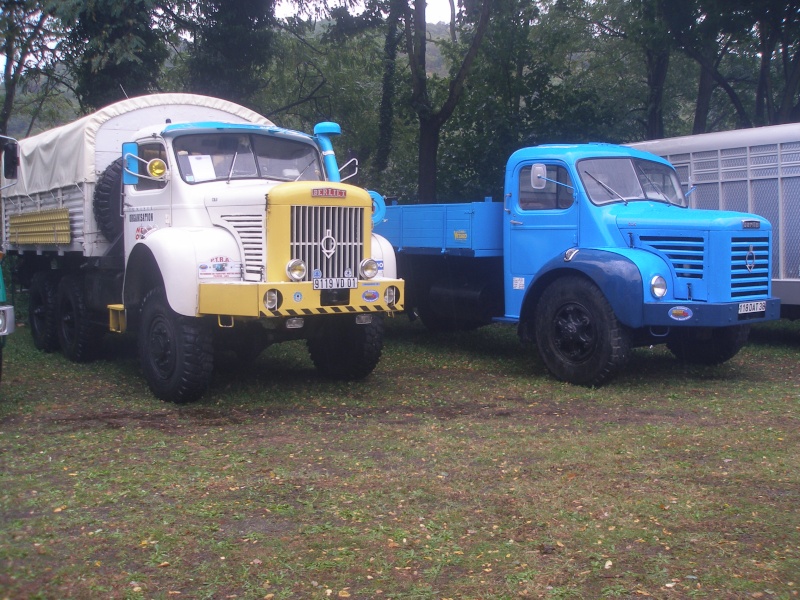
[(329, 239), (685, 253), (749, 267), (250, 229)]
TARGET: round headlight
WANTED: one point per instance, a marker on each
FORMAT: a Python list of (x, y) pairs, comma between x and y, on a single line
[(658, 286), (272, 299), (2, 321), (368, 268), (157, 168), (296, 269), (392, 295)]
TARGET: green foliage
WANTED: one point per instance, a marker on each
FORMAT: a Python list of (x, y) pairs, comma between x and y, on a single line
[(112, 49), (232, 48)]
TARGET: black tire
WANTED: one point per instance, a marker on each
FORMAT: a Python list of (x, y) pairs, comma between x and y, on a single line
[(42, 312), (707, 345), (579, 338), (176, 352), (108, 201), (78, 337), (346, 351)]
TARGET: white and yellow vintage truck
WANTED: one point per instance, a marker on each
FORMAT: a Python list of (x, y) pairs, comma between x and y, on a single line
[(201, 226)]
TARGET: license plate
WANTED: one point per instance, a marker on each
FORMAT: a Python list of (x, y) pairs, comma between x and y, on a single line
[(335, 283), (752, 307)]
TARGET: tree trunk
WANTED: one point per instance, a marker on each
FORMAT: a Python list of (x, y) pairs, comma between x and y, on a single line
[(657, 67), (429, 130), (705, 89)]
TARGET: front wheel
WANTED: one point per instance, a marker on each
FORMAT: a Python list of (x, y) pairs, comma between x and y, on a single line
[(176, 352), (579, 338), (707, 345), (345, 350)]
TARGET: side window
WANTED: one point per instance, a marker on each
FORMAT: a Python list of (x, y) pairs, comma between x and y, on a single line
[(552, 196), (148, 152)]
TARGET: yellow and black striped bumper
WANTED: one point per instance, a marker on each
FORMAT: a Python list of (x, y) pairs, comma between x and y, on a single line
[(246, 299)]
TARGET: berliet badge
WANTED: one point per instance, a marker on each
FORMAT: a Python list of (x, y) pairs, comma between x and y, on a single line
[(750, 260)]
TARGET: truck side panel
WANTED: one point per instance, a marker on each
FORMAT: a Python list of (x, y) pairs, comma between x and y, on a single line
[(465, 229)]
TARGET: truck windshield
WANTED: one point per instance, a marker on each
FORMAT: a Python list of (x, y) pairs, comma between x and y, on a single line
[(226, 156), (609, 180)]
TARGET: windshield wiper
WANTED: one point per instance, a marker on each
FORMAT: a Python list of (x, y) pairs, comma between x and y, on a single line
[(233, 162), (313, 160), (653, 186), (607, 187)]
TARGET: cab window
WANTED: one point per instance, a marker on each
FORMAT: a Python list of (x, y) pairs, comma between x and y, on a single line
[(552, 196)]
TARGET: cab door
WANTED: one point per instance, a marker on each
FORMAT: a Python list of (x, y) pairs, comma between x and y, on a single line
[(147, 205), (541, 222)]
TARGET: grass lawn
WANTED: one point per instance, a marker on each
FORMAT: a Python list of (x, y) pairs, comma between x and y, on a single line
[(459, 469)]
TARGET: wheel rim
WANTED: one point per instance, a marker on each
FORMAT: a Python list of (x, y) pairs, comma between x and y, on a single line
[(574, 334), (67, 322), (161, 348), (38, 315)]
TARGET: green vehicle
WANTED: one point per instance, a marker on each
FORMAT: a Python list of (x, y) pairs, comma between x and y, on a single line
[(7, 321)]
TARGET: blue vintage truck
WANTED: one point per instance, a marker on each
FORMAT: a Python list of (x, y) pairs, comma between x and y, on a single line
[(593, 251)]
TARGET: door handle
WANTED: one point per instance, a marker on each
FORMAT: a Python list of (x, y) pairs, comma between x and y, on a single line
[(513, 222)]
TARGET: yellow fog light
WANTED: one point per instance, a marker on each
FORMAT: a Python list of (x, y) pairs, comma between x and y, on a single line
[(157, 168), (296, 269)]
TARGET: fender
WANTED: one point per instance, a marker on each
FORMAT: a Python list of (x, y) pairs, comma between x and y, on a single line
[(616, 274), (383, 252), (182, 256)]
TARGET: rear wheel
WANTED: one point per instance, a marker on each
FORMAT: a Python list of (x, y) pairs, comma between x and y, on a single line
[(578, 335), (77, 335), (42, 311), (345, 350), (176, 352), (707, 345)]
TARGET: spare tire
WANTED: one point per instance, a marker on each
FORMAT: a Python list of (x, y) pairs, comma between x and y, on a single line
[(108, 201)]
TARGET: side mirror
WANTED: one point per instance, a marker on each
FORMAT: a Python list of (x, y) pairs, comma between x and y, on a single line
[(10, 160), (538, 176), (130, 163)]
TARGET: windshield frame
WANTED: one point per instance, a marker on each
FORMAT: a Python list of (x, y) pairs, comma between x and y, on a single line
[(613, 179), (235, 155)]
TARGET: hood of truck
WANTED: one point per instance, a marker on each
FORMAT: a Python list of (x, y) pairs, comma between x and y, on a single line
[(712, 256), (651, 216)]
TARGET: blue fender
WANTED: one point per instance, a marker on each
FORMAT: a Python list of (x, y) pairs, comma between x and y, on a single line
[(617, 276)]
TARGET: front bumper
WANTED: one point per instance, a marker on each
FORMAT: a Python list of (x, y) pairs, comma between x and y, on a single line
[(246, 299), (703, 314)]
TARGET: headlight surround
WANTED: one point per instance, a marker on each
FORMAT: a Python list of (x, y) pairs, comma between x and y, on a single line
[(658, 286), (368, 268), (296, 269)]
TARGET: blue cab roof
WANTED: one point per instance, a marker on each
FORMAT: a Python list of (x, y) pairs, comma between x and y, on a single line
[(572, 153)]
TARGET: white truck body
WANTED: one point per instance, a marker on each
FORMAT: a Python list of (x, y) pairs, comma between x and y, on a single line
[(199, 224), (750, 170)]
